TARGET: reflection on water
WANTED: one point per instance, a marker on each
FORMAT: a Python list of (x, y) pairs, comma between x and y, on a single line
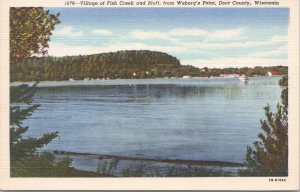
[(209, 119)]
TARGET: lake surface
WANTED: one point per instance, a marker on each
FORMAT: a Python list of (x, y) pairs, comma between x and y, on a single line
[(191, 119)]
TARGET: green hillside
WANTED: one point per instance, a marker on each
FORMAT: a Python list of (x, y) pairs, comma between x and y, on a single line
[(121, 64)]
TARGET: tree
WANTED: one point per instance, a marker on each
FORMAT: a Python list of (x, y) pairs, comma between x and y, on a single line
[(24, 159), (269, 157), (21, 108), (30, 31), (284, 94)]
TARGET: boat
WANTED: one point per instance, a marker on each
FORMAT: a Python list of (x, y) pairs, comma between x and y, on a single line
[(243, 78), (186, 77)]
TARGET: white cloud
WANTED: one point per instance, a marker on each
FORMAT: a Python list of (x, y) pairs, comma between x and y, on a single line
[(239, 62), (226, 34), (281, 51), (263, 58), (187, 32), (146, 35), (60, 49), (103, 32), (68, 31), (282, 38), (229, 45)]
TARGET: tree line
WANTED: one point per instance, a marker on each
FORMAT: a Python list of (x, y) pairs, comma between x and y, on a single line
[(118, 65), (121, 64)]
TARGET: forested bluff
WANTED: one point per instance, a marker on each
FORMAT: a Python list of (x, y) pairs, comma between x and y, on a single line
[(134, 64)]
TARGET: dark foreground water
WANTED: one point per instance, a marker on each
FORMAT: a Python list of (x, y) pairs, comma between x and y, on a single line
[(192, 119)]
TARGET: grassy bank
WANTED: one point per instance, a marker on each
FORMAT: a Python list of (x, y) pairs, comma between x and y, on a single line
[(180, 161), (121, 166)]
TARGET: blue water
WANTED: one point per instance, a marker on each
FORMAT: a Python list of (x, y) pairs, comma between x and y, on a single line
[(195, 119)]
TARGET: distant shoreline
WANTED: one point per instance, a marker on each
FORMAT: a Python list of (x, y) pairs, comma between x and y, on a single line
[(16, 83), (177, 161), (82, 80)]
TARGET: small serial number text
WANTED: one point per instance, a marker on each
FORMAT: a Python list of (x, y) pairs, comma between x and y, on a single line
[(277, 180)]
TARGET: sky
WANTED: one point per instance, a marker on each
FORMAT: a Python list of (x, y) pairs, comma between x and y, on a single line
[(202, 37)]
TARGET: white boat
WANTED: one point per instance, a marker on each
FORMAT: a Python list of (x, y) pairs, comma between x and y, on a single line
[(243, 78), (186, 77), (71, 79)]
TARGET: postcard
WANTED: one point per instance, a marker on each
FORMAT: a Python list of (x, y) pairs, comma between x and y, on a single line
[(149, 94)]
